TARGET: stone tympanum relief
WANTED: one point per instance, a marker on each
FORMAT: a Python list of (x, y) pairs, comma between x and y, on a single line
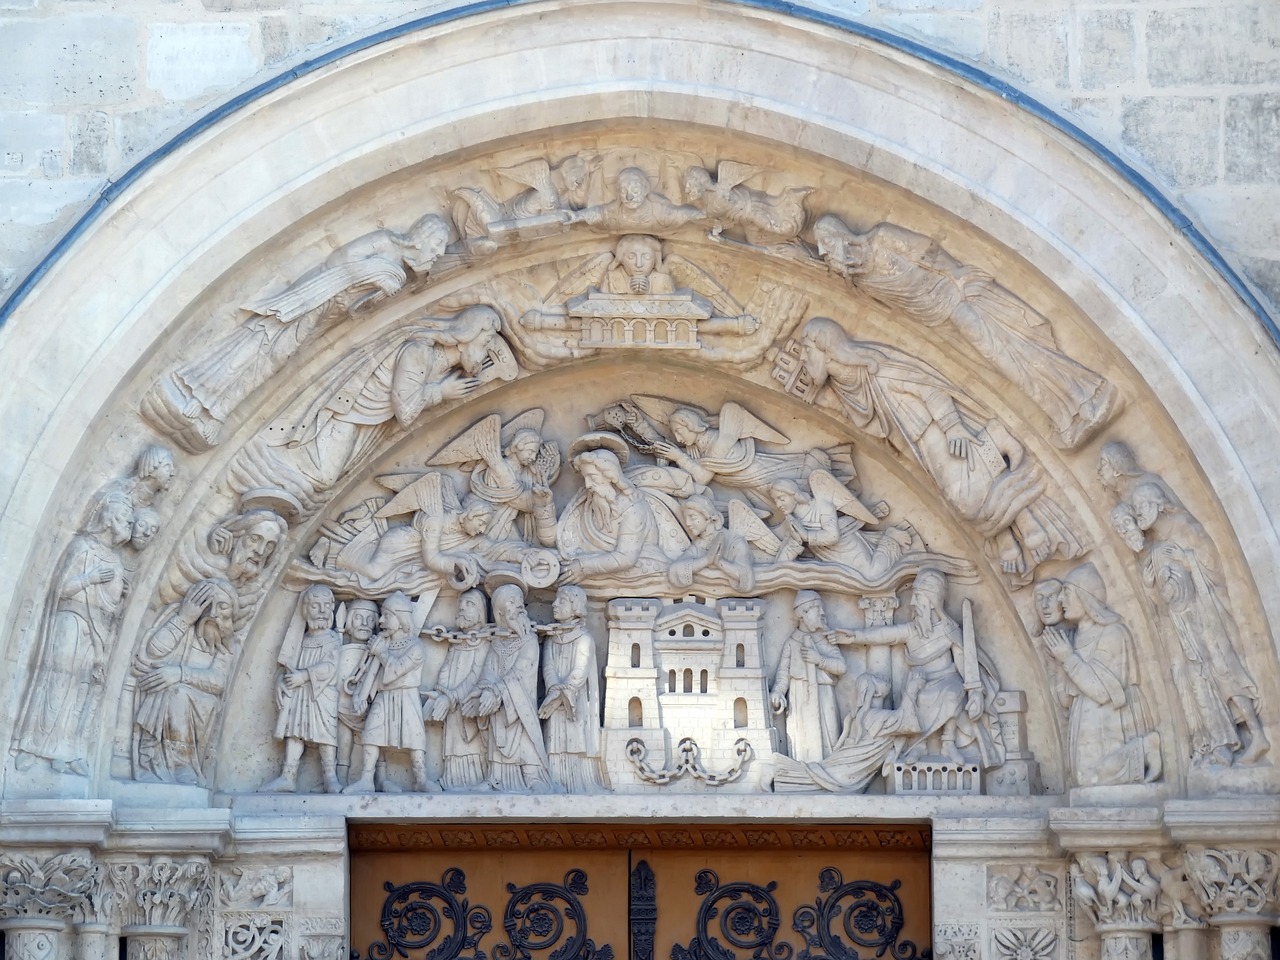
[(1186, 585), (672, 504), (460, 605)]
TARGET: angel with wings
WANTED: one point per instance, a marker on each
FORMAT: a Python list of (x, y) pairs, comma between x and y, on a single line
[(512, 467), (720, 447), (823, 518), (446, 543), (765, 219), (552, 194), (639, 268)]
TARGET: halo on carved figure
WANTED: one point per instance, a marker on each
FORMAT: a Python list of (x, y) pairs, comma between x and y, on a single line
[(601, 440)]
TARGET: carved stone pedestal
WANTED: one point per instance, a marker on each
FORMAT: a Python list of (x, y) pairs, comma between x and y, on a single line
[(95, 942), (1125, 944), (1243, 938), (34, 938)]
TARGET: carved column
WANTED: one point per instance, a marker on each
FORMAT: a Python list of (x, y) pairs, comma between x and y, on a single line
[(1238, 889), (1121, 896), (164, 903), (39, 899), (1182, 916)]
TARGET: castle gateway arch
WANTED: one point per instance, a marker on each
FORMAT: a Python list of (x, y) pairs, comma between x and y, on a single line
[(657, 480)]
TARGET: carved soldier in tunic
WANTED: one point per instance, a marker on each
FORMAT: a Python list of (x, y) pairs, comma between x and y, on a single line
[(357, 631), (910, 272), (570, 710), (804, 686), (465, 749), (307, 690), (389, 688)]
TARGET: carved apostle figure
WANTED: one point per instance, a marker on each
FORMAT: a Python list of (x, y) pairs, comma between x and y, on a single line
[(1183, 570), (711, 547), (246, 542), (804, 686), (391, 382), (1109, 735), (570, 710), (77, 633), (182, 671), (909, 272), (466, 762), (307, 690), (982, 470), (357, 631), (152, 475), (637, 209), (388, 689), (194, 401), (505, 699), (1120, 473)]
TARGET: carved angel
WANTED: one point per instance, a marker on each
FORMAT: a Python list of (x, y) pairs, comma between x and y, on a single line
[(825, 520), (513, 468), (638, 267), (446, 542), (722, 447), (763, 218), (543, 208)]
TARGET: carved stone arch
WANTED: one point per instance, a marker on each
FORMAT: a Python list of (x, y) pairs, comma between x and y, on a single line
[(374, 140)]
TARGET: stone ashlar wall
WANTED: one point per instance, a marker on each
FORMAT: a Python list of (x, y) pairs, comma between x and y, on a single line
[(1188, 91)]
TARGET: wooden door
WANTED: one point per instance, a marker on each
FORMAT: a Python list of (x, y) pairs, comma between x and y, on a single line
[(640, 892)]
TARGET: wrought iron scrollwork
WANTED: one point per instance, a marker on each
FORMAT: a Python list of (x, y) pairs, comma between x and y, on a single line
[(643, 911), (748, 921), (860, 913), (430, 917), (544, 917)]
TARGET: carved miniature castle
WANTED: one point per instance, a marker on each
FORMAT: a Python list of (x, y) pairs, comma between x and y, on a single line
[(686, 671)]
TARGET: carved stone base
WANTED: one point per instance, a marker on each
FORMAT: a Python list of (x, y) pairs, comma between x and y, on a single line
[(934, 776)]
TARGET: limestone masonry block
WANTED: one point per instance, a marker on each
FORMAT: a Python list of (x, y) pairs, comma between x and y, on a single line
[(69, 60), (90, 141), (24, 137), (187, 60), (1252, 138), (1189, 157), (1106, 49), (1032, 46), (1201, 45)]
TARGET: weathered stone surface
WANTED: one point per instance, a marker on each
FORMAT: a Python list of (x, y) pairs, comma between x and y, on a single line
[(1264, 273), (90, 141), (1177, 136), (24, 138), (1253, 138), (1106, 49), (930, 4), (69, 60), (190, 59), (140, 131), (1211, 44), (964, 35), (1031, 45)]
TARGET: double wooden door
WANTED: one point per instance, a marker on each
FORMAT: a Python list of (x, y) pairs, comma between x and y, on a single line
[(640, 892)]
